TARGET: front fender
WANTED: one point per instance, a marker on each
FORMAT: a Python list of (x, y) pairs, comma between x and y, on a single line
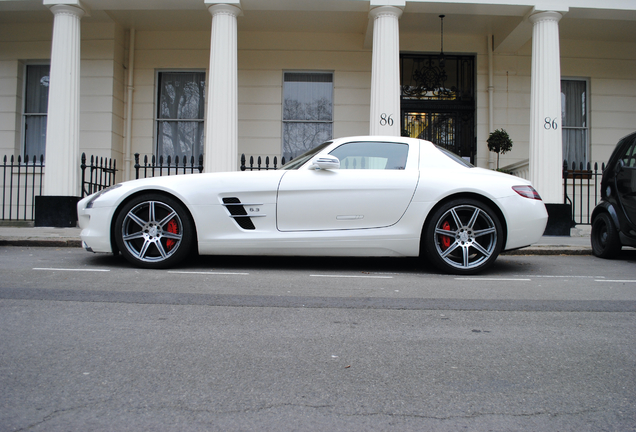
[(607, 207)]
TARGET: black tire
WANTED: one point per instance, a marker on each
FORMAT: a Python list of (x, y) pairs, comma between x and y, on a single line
[(154, 231), (605, 240), (475, 240)]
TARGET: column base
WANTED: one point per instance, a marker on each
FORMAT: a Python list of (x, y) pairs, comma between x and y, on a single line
[(56, 211), (559, 220)]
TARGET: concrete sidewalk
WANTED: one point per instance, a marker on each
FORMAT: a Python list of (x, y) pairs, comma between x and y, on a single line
[(577, 244)]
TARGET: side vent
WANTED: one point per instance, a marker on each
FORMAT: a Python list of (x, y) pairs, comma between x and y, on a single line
[(238, 213)]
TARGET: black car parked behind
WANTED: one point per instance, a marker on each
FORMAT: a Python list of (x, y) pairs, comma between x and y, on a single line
[(614, 218)]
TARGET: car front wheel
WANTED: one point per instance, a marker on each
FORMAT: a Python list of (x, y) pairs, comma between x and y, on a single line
[(154, 231), (463, 237), (605, 240)]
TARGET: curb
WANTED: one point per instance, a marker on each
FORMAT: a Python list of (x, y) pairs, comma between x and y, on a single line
[(41, 243), (550, 250)]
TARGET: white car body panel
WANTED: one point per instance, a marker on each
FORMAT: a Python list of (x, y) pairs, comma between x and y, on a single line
[(324, 200), (335, 212)]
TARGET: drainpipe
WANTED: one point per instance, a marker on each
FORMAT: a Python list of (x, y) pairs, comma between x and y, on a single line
[(491, 98), (129, 106)]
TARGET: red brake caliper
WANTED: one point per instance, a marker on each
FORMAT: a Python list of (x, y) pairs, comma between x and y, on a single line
[(446, 241), (172, 228)]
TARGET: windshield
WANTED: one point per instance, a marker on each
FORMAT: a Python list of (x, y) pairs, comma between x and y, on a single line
[(300, 160)]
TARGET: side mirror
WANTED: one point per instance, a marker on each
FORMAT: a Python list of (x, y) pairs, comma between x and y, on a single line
[(326, 163), (619, 166)]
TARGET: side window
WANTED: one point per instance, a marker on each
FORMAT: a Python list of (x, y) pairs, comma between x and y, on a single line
[(372, 155), (630, 156)]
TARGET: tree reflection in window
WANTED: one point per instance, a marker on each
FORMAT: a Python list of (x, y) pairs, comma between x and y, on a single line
[(307, 111), (180, 114)]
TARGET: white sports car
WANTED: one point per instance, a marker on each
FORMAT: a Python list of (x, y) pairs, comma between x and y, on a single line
[(357, 196)]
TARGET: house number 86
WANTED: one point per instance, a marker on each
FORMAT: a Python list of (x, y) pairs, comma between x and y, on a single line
[(386, 120), (550, 123)]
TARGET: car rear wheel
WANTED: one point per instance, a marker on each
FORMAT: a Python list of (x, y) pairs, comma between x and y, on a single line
[(154, 231), (605, 240), (463, 237)]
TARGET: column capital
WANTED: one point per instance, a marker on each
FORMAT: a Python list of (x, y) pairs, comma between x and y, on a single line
[(390, 11), (75, 7), (232, 7), (541, 15)]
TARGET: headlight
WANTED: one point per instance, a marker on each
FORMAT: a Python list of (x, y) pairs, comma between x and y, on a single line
[(90, 202)]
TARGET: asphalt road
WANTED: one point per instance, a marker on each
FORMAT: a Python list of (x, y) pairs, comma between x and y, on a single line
[(538, 343)]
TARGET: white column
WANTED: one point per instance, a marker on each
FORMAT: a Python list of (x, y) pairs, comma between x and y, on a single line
[(221, 120), (385, 72), (546, 154), (62, 131)]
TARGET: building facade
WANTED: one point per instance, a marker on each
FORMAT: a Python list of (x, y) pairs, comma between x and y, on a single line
[(275, 77)]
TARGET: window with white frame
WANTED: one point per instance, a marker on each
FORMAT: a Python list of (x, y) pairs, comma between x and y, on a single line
[(36, 104), (574, 120), (180, 114), (307, 111)]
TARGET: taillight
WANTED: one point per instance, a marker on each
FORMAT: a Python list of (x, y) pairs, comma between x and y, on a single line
[(527, 192)]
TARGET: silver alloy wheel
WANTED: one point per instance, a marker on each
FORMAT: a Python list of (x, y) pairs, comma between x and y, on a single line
[(152, 231), (465, 237)]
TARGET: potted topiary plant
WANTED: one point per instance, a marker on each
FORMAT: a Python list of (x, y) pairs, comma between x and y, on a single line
[(499, 142)]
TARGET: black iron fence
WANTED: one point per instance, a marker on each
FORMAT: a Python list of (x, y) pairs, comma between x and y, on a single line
[(581, 189), (157, 167), (22, 180), (101, 174), (21, 183), (259, 166)]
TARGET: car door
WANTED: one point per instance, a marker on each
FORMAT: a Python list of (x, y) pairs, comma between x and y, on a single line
[(372, 188), (626, 182)]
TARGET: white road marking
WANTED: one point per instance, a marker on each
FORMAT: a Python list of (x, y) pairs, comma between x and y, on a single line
[(76, 270), (209, 273), (563, 277), (618, 281), (492, 279), (353, 276)]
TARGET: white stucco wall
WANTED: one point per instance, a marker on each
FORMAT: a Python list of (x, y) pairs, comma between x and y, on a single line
[(102, 90), (19, 43), (262, 58), (101, 84), (611, 70)]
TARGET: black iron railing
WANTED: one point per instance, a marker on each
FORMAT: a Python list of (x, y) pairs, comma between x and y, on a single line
[(22, 180), (259, 166), (21, 183), (157, 167), (101, 174), (581, 189)]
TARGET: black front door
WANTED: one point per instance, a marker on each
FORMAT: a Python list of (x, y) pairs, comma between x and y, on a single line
[(438, 101)]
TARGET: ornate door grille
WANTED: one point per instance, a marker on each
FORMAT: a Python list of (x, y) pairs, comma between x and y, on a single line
[(438, 100)]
